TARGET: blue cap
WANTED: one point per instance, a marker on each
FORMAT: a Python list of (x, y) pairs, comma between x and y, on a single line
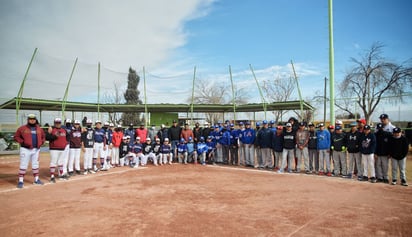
[(182, 139), (247, 123), (232, 125), (272, 121), (257, 123), (240, 123), (265, 122), (202, 138), (190, 138)]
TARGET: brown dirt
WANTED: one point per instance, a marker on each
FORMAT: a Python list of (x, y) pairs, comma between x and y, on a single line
[(197, 200)]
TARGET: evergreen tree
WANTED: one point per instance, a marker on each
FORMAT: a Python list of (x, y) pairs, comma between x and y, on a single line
[(132, 97)]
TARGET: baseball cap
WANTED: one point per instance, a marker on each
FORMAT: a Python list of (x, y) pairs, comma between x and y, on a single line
[(57, 120), (98, 121), (76, 122), (137, 138), (190, 139), (68, 121), (240, 123), (331, 127), (247, 123), (396, 130), (321, 125), (288, 125), (182, 139), (338, 122), (105, 123), (31, 116), (302, 124), (128, 137), (383, 116), (258, 124), (265, 122), (119, 126), (125, 137), (311, 125), (379, 125), (232, 125), (111, 124), (202, 138), (174, 121), (166, 139), (272, 121), (131, 125), (338, 128), (367, 127), (148, 139), (89, 121), (279, 127), (362, 120), (157, 139)]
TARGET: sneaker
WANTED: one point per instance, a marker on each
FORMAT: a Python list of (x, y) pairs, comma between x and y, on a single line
[(71, 173), (321, 173), (38, 182), (364, 178), (91, 171), (360, 178), (78, 172), (349, 176), (64, 177), (329, 174), (308, 172), (393, 182), (204, 163), (20, 185), (404, 183), (85, 172), (53, 180), (279, 172), (373, 180), (170, 163), (379, 180), (385, 181)]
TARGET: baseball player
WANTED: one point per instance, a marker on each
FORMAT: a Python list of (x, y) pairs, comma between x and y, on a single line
[(124, 151), (116, 141), (211, 149), (30, 137), (57, 137), (75, 147), (247, 137), (398, 150), (100, 147), (148, 151), (156, 150), (87, 147), (338, 146), (191, 151), (289, 145), (68, 126), (136, 154), (323, 143), (166, 151), (109, 144), (367, 149), (182, 151), (202, 150)]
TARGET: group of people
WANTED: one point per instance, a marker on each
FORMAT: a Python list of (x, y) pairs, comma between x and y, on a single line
[(281, 148)]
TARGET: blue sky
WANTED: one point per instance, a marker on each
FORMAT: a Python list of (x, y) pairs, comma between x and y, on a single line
[(169, 38)]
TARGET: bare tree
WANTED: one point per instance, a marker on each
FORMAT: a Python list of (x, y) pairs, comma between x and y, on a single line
[(373, 77), (279, 90), (213, 93), (114, 96)]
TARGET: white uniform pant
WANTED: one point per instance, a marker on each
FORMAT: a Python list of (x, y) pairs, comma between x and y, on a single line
[(88, 158), (165, 158), (136, 158), (115, 155), (66, 158), (99, 151), (27, 155), (182, 157), (74, 159), (152, 156), (368, 163), (57, 159)]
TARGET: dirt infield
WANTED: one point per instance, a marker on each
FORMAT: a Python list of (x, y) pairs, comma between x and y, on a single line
[(195, 200)]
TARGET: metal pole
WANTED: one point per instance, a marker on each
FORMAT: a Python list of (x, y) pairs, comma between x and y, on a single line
[(233, 94), (193, 96), (98, 91), (67, 90), (145, 96), (260, 91), (331, 66), (300, 94), (324, 101), (20, 93)]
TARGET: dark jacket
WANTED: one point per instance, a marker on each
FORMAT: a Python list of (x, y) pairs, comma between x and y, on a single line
[(264, 137), (382, 141), (398, 147), (353, 141), (368, 142), (338, 141), (24, 138)]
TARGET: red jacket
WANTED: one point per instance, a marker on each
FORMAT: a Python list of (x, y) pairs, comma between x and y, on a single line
[(117, 138), (142, 133), (23, 136), (57, 138)]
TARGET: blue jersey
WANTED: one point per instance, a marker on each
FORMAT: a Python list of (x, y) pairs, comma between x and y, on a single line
[(210, 146), (166, 149), (191, 147), (109, 136), (181, 148), (225, 138), (323, 137), (202, 147), (234, 137), (137, 148), (248, 136), (131, 133), (99, 135)]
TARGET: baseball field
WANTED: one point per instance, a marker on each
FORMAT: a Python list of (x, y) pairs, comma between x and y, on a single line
[(196, 200)]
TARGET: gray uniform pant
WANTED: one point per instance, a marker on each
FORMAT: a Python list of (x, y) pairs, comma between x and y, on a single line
[(278, 159), (289, 155), (302, 153), (381, 167), (241, 153), (339, 162), (355, 158), (324, 158), (250, 154), (260, 159), (401, 164), (267, 157), (313, 159)]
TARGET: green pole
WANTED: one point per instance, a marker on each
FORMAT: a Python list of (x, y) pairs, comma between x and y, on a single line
[(67, 90), (20, 93), (193, 95), (233, 94), (145, 96), (260, 90), (299, 92), (98, 91), (331, 66)]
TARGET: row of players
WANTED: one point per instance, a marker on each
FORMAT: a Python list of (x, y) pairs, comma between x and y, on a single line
[(285, 143)]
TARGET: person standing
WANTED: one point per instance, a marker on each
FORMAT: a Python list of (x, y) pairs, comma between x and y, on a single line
[(174, 137), (382, 154), (241, 145), (197, 132), (368, 141), (398, 150), (289, 145), (313, 150), (186, 133), (338, 147), (234, 145), (302, 140), (87, 147), (57, 137), (224, 141), (264, 142), (141, 132), (163, 133), (353, 144), (277, 146), (131, 132), (100, 147), (75, 148), (247, 137), (387, 125), (323, 137), (30, 137), (152, 133), (116, 141), (69, 127)]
